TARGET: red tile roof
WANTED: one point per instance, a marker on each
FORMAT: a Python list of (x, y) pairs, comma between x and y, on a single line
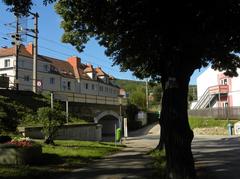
[(72, 68), (4, 52)]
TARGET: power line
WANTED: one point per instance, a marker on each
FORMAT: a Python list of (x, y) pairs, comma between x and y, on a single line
[(69, 55), (57, 43)]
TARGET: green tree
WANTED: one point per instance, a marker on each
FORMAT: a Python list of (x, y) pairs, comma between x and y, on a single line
[(138, 98), (52, 120), (157, 93), (164, 40)]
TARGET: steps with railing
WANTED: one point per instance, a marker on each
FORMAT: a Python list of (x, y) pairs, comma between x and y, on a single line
[(209, 95)]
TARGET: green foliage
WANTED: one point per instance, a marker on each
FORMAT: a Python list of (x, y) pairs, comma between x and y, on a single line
[(198, 122), (159, 157), (76, 120), (138, 98), (131, 113), (8, 118), (60, 160), (52, 120), (157, 93)]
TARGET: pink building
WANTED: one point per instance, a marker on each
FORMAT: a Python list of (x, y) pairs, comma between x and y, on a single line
[(214, 90)]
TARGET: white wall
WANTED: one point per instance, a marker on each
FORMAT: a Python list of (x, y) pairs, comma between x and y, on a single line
[(206, 79), (60, 82), (235, 91)]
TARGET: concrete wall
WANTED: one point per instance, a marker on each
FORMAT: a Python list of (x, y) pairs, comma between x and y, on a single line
[(84, 132)]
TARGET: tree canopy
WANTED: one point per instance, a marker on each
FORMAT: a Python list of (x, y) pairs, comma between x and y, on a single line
[(148, 37), (151, 37)]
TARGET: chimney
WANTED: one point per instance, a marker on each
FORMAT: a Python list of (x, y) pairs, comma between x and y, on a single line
[(74, 61), (29, 48)]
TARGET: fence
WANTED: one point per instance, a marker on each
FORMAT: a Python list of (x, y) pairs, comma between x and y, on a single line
[(221, 113)]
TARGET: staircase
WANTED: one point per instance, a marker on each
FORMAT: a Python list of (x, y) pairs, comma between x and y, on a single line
[(208, 99)]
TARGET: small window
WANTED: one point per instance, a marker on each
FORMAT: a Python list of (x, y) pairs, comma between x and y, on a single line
[(45, 67), (224, 82), (26, 78), (86, 85), (22, 64), (52, 81), (106, 89), (225, 104), (69, 85), (7, 63), (93, 87)]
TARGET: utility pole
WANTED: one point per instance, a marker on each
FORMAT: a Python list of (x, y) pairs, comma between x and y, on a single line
[(147, 102), (16, 41), (35, 52)]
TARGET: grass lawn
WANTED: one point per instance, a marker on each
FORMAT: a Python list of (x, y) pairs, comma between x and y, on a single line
[(59, 159), (198, 122)]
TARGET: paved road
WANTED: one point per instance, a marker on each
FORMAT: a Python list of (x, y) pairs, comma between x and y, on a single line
[(217, 157), (130, 163)]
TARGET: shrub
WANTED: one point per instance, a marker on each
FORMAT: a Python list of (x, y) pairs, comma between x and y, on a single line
[(131, 112), (52, 120), (8, 118)]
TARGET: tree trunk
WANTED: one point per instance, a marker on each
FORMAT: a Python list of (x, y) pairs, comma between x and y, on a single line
[(175, 127)]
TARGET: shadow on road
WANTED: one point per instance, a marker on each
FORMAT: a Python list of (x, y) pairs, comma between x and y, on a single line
[(217, 158)]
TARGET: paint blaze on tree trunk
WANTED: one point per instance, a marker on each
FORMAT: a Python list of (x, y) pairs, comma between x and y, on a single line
[(177, 133)]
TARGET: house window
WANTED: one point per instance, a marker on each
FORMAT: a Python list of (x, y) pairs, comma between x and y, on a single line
[(52, 81), (22, 64), (69, 85), (100, 88), (225, 104), (45, 67), (224, 82), (93, 87), (26, 78), (7, 63), (86, 85), (106, 89)]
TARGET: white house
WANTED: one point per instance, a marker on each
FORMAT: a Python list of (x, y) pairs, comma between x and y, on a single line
[(214, 89), (55, 75)]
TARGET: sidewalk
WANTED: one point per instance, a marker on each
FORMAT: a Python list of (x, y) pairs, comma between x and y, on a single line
[(217, 157), (130, 163)]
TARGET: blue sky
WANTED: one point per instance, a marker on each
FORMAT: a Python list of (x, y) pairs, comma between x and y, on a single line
[(50, 40)]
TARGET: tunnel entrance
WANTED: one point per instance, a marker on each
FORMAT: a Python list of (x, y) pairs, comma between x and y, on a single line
[(108, 125)]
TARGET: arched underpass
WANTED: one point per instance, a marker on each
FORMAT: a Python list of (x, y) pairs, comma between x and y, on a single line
[(109, 120)]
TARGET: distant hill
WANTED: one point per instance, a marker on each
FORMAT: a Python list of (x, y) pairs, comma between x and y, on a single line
[(130, 85)]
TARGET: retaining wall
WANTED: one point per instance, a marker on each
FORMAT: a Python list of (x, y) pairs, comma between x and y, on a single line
[(84, 132)]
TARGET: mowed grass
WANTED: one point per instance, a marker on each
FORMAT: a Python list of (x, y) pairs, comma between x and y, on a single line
[(198, 122), (60, 159)]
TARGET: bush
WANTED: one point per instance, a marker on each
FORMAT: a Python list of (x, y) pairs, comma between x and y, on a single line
[(131, 112), (8, 118), (152, 117), (51, 120)]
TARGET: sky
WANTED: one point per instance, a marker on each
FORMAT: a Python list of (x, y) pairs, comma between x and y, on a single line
[(50, 40)]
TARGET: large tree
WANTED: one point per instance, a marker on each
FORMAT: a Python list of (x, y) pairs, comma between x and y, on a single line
[(164, 40)]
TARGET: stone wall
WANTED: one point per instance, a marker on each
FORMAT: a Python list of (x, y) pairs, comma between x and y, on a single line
[(84, 132)]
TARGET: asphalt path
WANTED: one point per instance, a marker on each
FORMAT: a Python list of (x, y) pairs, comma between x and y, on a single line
[(130, 163), (217, 157)]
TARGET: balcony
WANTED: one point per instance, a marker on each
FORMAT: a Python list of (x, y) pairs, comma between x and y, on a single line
[(218, 89)]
